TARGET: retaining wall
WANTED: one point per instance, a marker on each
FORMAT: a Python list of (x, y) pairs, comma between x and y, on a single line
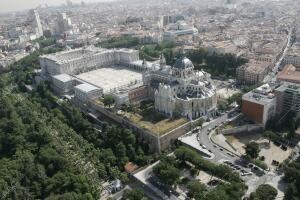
[(243, 129), (157, 143)]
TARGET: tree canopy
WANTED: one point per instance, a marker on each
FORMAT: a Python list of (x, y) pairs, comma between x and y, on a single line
[(216, 64), (108, 100), (252, 150), (264, 192), (292, 177), (119, 42), (49, 150), (196, 190), (135, 194), (167, 172)]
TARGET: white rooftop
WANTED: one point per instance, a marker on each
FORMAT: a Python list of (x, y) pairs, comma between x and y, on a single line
[(112, 78), (85, 87), (63, 77)]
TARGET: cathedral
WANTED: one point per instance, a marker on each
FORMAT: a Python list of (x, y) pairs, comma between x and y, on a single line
[(181, 90)]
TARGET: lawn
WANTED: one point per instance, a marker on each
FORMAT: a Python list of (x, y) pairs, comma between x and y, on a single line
[(154, 121)]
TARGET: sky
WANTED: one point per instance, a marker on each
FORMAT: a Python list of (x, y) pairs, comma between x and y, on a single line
[(17, 5)]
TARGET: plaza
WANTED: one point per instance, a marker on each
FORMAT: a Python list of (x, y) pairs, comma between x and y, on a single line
[(111, 79)]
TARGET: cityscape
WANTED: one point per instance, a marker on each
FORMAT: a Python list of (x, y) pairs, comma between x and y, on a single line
[(150, 99)]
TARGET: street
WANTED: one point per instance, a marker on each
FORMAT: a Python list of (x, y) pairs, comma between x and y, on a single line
[(271, 77), (221, 154)]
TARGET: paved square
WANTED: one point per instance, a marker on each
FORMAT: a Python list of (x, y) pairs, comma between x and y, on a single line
[(111, 78)]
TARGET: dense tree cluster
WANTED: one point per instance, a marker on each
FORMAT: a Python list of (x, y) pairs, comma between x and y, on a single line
[(233, 189), (252, 150), (33, 163), (153, 52), (196, 190), (285, 122), (264, 192), (45, 42), (120, 42), (49, 150), (292, 176), (216, 64), (135, 194), (167, 171), (221, 171)]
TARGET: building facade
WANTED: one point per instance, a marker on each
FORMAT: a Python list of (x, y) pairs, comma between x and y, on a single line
[(181, 90), (259, 105), (251, 73), (85, 59), (288, 98)]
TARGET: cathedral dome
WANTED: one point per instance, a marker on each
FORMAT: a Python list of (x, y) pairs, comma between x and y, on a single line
[(183, 63)]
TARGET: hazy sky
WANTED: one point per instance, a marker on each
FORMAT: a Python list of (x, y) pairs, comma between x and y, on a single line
[(15, 5)]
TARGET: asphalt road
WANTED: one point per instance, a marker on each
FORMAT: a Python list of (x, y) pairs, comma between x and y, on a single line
[(271, 77), (252, 181), (204, 138)]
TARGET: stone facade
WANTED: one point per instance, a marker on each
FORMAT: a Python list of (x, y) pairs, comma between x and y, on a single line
[(181, 90), (81, 60)]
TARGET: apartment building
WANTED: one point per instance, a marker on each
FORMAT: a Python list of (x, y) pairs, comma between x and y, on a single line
[(252, 73), (259, 105), (288, 98)]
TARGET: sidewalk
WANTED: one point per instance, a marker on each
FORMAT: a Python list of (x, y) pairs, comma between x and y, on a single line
[(220, 140)]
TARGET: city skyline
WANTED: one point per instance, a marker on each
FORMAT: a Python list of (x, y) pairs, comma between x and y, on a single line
[(150, 99), (17, 5)]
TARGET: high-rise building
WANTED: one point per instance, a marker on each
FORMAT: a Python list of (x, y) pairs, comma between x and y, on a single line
[(288, 98), (36, 23), (69, 3), (63, 24)]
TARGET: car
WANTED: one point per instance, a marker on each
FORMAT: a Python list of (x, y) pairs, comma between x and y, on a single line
[(248, 173), (226, 161), (203, 146), (235, 166), (221, 149), (209, 151), (230, 154), (250, 165)]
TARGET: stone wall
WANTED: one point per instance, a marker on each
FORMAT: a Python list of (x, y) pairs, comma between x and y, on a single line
[(145, 135), (170, 137), (157, 143), (243, 129)]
